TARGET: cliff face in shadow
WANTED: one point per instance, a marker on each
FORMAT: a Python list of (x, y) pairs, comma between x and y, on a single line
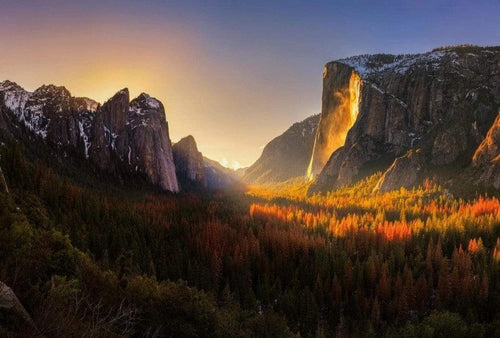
[(189, 163), (120, 134), (286, 156)]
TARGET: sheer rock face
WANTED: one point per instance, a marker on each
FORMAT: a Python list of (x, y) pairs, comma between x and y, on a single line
[(286, 156), (120, 133), (148, 146), (50, 112), (189, 163), (442, 102), (340, 103), (194, 171), (487, 157)]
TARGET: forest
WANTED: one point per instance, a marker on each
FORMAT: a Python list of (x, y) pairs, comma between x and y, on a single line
[(102, 261)]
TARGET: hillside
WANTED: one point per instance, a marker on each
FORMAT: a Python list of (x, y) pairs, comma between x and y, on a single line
[(286, 156)]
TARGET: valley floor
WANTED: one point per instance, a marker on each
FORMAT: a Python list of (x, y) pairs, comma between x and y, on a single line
[(263, 262)]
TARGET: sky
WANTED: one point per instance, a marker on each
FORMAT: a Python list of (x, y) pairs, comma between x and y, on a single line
[(234, 74)]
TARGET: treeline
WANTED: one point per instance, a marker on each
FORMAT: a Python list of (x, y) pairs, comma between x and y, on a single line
[(265, 263), (467, 48), (88, 263)]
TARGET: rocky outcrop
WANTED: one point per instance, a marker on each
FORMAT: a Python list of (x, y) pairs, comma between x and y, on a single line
[(486, 159), (404, 172), (286, 156), (10, 302), (195, 172), (3, 183), (119, 134), (50, 112), (442, 102), (146, 144), (189, 163)]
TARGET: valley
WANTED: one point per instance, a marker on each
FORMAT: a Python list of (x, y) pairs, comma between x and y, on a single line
[(378, 217)]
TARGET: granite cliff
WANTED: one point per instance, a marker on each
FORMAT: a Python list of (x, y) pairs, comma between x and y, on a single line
[(122, 133), (189, 163), (411, 113), (286, 156)]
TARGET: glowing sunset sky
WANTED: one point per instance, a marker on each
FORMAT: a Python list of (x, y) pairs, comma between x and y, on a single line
[(234, 74)]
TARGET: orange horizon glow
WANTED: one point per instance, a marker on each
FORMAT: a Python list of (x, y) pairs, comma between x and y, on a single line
[(210, 97)]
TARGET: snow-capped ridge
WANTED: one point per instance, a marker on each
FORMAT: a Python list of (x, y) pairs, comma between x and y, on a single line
[(368, 64), (135, 132), (10, 85), (51, 89), (144, 100)]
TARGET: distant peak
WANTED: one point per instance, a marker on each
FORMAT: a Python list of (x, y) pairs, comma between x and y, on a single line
[(51, 87), (124, 91), (187, 139), (187, 142), (52, 90), (121, 93), (145, 100), (7, 84), (121, 96)]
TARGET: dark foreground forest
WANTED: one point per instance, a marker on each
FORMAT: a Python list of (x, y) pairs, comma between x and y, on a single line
[(90, 259)]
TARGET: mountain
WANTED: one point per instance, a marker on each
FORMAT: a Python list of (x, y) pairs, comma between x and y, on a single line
[(120, 134), (195, 172), (408, 115), (189, 164), (286, 156), (220, 177)]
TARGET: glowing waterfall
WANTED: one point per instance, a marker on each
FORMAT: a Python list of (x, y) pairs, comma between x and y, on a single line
[(334, 124), (354, 98)]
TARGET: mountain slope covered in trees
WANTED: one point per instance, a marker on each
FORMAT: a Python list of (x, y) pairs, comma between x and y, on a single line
[(93, 243), (125, 262), (286, 156)]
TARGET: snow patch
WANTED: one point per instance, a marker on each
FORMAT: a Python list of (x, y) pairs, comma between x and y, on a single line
[(153, 103), (85, 138), (110, 137), (370, 64)]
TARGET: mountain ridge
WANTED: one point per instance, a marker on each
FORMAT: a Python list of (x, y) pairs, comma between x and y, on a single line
[(285, 156), (442, 102), (123, 138)]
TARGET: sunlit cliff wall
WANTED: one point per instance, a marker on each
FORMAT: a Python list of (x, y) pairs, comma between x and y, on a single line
[(340, 107), (416, 113)]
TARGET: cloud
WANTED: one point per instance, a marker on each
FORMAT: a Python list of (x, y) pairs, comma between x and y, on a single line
[(236, 165), (232, 164), (224, 161)]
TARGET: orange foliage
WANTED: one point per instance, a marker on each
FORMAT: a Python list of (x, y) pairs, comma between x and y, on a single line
[(483, 206)]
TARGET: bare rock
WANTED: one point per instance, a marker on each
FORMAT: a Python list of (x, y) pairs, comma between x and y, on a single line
[(10, 302), (404, 172), (442, 102), (189, 163), (119, 134), (286, 156), (486, 159)]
